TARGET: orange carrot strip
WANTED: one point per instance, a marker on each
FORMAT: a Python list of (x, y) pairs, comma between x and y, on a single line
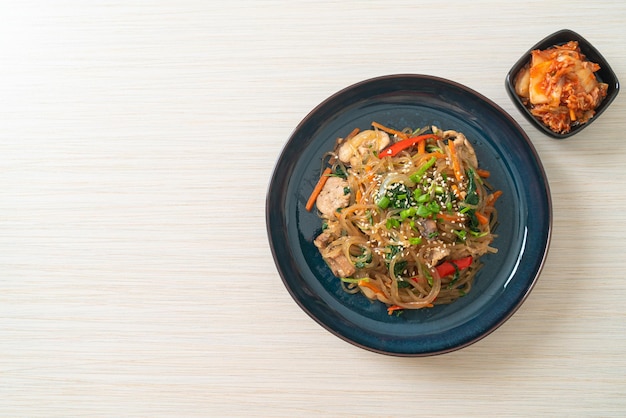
[(483, 173), (390, 130), (482, 219), (456, 191), (317, 189), (449, 218), (421, 147), (492, 198), (369, 286), (393, 308), (436, 154), (456, 166)]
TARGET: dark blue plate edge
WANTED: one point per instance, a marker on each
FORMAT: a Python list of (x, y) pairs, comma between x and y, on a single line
[(284, 160)]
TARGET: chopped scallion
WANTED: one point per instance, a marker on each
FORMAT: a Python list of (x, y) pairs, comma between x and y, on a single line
[(415, 241), (478, 234), (415, 177), (429, 278), (392, 223), (384, 202), (462, 234), (434, 207), (353, 280), (422, 211), (407, 213), (423, 198)]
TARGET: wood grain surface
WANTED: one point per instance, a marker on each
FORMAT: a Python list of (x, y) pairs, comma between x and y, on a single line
[(137, 140)]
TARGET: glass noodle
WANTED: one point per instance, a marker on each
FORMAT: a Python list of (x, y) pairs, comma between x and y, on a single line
[(406, 215)]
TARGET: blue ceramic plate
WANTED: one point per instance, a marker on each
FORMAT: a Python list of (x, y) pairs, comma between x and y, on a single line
[(524, 211)]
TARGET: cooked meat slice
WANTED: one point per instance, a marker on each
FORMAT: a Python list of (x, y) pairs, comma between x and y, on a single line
[(427, 227), (434, 255), (352, 150), (465, 148), (322, 240), (333, 196), (339, 264)]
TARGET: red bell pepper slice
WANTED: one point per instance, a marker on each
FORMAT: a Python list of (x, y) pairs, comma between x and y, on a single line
[(394, 149), (447, 267)]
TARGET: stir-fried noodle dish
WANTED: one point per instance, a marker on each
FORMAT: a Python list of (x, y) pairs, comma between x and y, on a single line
[(406, 215)]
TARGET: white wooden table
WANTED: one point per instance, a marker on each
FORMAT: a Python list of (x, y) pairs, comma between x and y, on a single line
[(136, 144)]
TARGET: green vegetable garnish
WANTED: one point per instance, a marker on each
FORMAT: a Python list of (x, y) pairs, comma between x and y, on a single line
[(415, 241), (384, 202), (416, 177), (392, 223)]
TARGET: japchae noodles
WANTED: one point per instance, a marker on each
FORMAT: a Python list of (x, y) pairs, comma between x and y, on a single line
[(406, 215)]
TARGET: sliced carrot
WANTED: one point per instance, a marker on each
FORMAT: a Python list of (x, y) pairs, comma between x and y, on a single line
[(394, 308), (456, 166), (367, 284), (390, 130), (449, 218), (421, 147), (436, 154), (371, 175), (482, 218), (317, 189), (456, 191), (483, 173), (493, 197)]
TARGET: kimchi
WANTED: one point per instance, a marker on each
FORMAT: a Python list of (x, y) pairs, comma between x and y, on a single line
[(560, 87)]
